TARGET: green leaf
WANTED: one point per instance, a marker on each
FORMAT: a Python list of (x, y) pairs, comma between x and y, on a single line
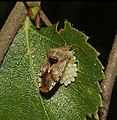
[(20, 98)]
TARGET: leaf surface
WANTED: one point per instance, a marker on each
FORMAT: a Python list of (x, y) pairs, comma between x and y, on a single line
[(20, 98)]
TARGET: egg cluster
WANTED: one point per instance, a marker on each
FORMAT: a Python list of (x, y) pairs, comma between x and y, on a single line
[(70, 71)]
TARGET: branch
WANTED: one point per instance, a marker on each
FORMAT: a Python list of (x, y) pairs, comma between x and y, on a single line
[(32, 4), (11, 26), (45, 19), (13, 23), (108, 82)]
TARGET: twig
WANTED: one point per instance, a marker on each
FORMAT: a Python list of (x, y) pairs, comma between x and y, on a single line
[(108, 82), (13, 23), (45, 19), (32, 4), (11, 26)]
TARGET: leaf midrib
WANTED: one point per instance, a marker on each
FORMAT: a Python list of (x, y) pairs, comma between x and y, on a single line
[(26, 29)]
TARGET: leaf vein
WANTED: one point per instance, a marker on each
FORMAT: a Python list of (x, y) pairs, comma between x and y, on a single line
[(88, 102), (45, 37), (26, 28)]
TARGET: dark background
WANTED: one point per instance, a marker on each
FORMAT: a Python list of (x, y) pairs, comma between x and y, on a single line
[(98, 20)]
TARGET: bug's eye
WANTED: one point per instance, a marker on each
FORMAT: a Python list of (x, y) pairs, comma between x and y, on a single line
[(52, 60)]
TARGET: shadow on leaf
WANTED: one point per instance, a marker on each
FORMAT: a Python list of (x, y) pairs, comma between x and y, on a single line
[(51, 92)]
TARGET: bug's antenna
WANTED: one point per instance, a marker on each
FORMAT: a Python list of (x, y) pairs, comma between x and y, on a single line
[(76, 47), (59, 31)]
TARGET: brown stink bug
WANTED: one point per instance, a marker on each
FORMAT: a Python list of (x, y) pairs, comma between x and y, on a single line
[(53, 69)]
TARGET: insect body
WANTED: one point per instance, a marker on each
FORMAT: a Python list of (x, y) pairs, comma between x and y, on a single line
[(53, 68)]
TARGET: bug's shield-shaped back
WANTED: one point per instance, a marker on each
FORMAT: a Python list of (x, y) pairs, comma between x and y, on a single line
[(53, 68)]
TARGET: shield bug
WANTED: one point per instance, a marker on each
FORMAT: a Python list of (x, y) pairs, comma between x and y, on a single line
[(59, 62)]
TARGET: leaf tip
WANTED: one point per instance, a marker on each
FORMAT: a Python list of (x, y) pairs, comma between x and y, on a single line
[(27, 22)]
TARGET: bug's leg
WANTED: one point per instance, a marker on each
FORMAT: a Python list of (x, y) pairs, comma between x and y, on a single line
[(77, 47), (39, 82), (54, 78), (58, 33), (79, 71)]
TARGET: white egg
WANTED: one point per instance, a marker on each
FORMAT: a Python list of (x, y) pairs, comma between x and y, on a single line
[(70, 70), (73, 79), (65, 83), (74, 58), (69, 81), (75, 74), (69, 65), (74, 65)]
